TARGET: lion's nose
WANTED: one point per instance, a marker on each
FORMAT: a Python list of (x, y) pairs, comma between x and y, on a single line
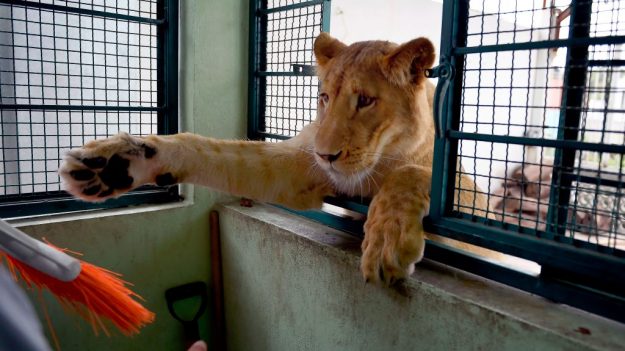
[(330, 157)]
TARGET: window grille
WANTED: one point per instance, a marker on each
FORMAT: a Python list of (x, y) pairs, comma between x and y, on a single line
[(283, 84), (74, 71), (535, 113)]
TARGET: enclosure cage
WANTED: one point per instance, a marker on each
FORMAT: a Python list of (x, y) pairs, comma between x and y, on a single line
[(530, 103), (74, 71)]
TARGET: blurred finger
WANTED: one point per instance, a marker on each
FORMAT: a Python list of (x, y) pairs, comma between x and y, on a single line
[(198, 346)]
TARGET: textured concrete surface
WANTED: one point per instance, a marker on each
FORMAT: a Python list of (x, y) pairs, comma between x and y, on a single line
[(292, 284), (160, 249)]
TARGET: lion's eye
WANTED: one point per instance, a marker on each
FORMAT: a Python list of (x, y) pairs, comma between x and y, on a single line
[(324, 98), (364, 101)]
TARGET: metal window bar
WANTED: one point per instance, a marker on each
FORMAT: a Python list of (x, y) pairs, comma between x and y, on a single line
[(536, 116), (570, 119), (72, 71)]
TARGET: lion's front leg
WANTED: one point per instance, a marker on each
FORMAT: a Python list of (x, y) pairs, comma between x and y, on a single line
[(394, 238), (280, 173)]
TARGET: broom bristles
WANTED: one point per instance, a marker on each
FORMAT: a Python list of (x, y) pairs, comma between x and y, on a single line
[(95, 293)]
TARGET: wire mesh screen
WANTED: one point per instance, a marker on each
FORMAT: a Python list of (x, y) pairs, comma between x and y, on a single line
[(287, 86), (139, 8), (541, 124), (70, 72)]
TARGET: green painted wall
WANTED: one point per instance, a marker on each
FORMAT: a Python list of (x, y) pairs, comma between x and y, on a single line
[(293, 284), (160, 249)]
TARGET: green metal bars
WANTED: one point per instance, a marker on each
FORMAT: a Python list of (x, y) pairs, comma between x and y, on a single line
[(72, 71), (535, 114), (283, 85)]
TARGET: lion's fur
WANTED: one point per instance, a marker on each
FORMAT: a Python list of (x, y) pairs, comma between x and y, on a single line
[(397, 130)]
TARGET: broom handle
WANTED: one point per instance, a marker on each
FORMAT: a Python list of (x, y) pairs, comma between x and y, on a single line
[(37, 254)]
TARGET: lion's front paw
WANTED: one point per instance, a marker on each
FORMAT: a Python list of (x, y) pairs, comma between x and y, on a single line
[(394, 242), (107, 168)]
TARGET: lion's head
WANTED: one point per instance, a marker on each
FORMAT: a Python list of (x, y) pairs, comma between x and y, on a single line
[(373, 105)]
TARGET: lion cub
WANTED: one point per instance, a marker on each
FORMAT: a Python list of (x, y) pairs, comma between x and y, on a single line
[(373, 137)]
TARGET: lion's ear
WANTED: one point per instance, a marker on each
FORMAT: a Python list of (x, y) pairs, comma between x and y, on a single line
[(326, 47), (407, 63)]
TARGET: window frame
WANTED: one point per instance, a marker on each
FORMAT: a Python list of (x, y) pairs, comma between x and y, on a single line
[(579, 274), (257, 67), (167, 110)]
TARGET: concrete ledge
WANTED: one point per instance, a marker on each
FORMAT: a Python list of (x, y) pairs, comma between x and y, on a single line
[(291, 283)]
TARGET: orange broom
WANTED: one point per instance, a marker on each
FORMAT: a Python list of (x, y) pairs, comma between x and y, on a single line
[(90, 291)]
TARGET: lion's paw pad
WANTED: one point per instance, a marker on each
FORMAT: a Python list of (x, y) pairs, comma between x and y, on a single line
[(97, 177), (106, 168)]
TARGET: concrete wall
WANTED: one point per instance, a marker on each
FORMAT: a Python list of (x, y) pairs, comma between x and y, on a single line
[(292, 284), (156, 250)]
